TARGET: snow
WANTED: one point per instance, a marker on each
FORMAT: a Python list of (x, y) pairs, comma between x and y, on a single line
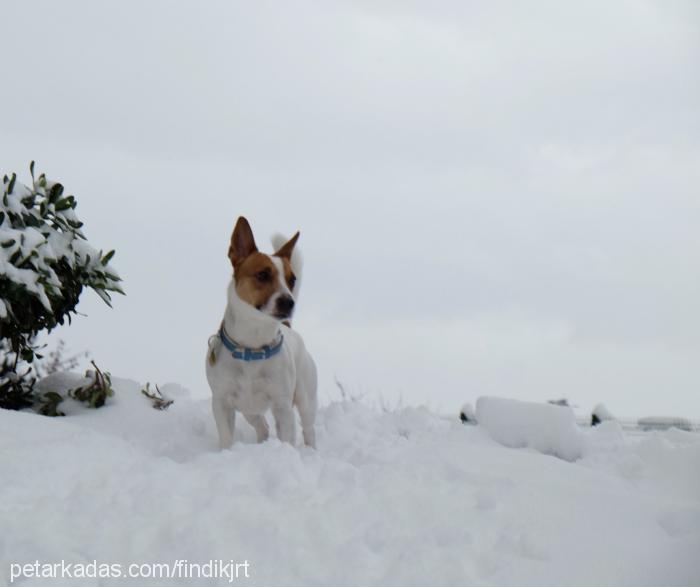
[(403, 497), (547, 428)]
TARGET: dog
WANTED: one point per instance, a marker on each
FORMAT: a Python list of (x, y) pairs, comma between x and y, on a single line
[(256, 362)]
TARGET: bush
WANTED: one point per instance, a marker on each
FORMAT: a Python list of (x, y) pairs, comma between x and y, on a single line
[(45, 262)]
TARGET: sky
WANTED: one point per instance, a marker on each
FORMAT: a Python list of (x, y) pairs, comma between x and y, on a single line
[(494, 198)]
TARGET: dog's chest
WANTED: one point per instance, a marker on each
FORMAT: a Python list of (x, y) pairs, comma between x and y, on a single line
[(252, 387)]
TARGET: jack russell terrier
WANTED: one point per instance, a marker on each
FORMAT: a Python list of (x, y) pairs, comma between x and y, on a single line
[(256, 361)]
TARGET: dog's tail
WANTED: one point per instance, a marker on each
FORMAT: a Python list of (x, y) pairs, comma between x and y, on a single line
[(296, 261)]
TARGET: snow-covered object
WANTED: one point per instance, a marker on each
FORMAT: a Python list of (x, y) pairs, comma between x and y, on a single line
[(388, 498), (547, 428), (665, 422), (466, 414), (601, 414)]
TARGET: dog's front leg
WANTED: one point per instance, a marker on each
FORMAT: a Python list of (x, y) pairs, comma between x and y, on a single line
[(262, 430), (284, 422), (225, 418)]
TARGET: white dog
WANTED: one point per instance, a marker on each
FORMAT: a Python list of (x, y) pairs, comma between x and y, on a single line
[(256, 361)]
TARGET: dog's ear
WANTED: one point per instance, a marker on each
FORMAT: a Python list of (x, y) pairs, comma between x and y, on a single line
[(285, 251), (242, 242)]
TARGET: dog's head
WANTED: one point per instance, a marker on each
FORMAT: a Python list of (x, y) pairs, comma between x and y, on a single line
[(265, 282)]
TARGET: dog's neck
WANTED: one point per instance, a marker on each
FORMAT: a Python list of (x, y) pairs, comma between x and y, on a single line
[(247, 326)]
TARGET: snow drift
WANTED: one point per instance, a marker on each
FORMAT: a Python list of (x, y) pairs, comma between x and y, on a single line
[(397, 498), (548, 428)]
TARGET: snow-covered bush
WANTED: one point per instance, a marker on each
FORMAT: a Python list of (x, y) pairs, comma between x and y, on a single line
[(45, 262)]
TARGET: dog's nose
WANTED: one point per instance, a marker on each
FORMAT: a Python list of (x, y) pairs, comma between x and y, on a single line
[(285, 305)]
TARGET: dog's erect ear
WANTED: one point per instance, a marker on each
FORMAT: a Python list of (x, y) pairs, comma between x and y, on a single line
[(286, 249), (242, 242)]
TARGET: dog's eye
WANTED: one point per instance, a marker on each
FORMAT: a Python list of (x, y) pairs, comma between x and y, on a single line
[(263, 276), (292, 280)]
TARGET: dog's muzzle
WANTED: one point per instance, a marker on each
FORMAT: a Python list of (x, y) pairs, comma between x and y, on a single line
[(284, 307)]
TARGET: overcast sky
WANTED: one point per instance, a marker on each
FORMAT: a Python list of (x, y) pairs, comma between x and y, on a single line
[(493, 197)]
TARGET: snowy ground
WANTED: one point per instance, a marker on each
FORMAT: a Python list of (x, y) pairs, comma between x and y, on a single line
[(401, 498)]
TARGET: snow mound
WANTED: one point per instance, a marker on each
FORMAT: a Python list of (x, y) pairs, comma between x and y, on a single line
[(388, 498), (547, 428)]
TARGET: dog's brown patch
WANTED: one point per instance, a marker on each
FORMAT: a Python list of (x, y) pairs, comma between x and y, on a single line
[(256, 279)]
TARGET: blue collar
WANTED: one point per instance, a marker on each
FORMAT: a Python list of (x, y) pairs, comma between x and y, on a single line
[(248, 354)]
